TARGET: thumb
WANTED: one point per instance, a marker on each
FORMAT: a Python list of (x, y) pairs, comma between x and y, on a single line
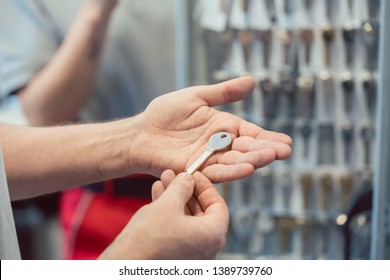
[(229, 91), (180, 189)]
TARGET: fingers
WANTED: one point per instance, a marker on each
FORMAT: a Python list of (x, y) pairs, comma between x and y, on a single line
[(204, 200), (275, 136), (211, 201), (223, 173), (206, 195), (230, 91), (203, 185), (252, 130), (277, 150), (167, 177), (196, 206), (233, 165), (179, 190), (246, 155), (193, 207), (159, 187), (157, 190)]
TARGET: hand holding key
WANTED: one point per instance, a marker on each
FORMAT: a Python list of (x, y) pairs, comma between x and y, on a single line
[(176, 127)]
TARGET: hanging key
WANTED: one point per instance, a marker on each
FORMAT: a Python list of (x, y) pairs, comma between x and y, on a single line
[(366, 179), (306, 181), (287, 88), (328, 93), (239, 214), (370, 35), (265, 177), (245, 37), (287, 188), (243, 215), (308, 5), (285, 225), (307, 37), (369, 86), (330, 8), (263, 226), (287, 127), (349, 35), (307, 230), (258, 192), (326, 144), (245, 5), (265, 37), (307, 236), (286, 37), (220, 45), (225, 40), (326, 188), (346, 184), (226, 190), (367, 133), (347, 133), (289, 8), (306, 132), (328, 35), (306, 84), (218, 142), (271, 10), (374, 8), (269, 98), (348, 86)]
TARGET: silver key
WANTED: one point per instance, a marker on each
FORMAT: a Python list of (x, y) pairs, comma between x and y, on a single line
[(218, 142)]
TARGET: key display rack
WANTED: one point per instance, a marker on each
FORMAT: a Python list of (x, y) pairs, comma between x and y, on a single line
[(321, 78)]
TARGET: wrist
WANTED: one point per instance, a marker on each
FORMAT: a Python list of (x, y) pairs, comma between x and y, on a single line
[(118, 138)]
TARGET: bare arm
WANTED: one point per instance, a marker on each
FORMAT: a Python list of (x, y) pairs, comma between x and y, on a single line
[(44, 160), (57, 93), (169, 134)]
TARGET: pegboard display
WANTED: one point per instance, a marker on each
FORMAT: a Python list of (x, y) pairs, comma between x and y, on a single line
[(316, 66)]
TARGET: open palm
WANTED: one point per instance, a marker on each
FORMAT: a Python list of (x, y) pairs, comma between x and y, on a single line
[(175, 128)]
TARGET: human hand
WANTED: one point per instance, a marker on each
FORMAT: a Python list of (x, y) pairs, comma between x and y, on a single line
[(165, 229), (175, 128)]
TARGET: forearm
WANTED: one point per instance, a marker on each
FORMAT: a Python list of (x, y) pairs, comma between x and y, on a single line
[(44, 160), (58, 92)]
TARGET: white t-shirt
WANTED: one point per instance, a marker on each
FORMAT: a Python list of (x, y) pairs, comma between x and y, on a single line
[(9, 247), (138, 58)]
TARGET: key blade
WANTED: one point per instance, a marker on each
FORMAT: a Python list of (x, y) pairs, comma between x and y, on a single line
[(200, 160)]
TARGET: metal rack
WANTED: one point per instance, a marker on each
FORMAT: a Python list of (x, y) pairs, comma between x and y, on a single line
[(380, 242), (192, 71)]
